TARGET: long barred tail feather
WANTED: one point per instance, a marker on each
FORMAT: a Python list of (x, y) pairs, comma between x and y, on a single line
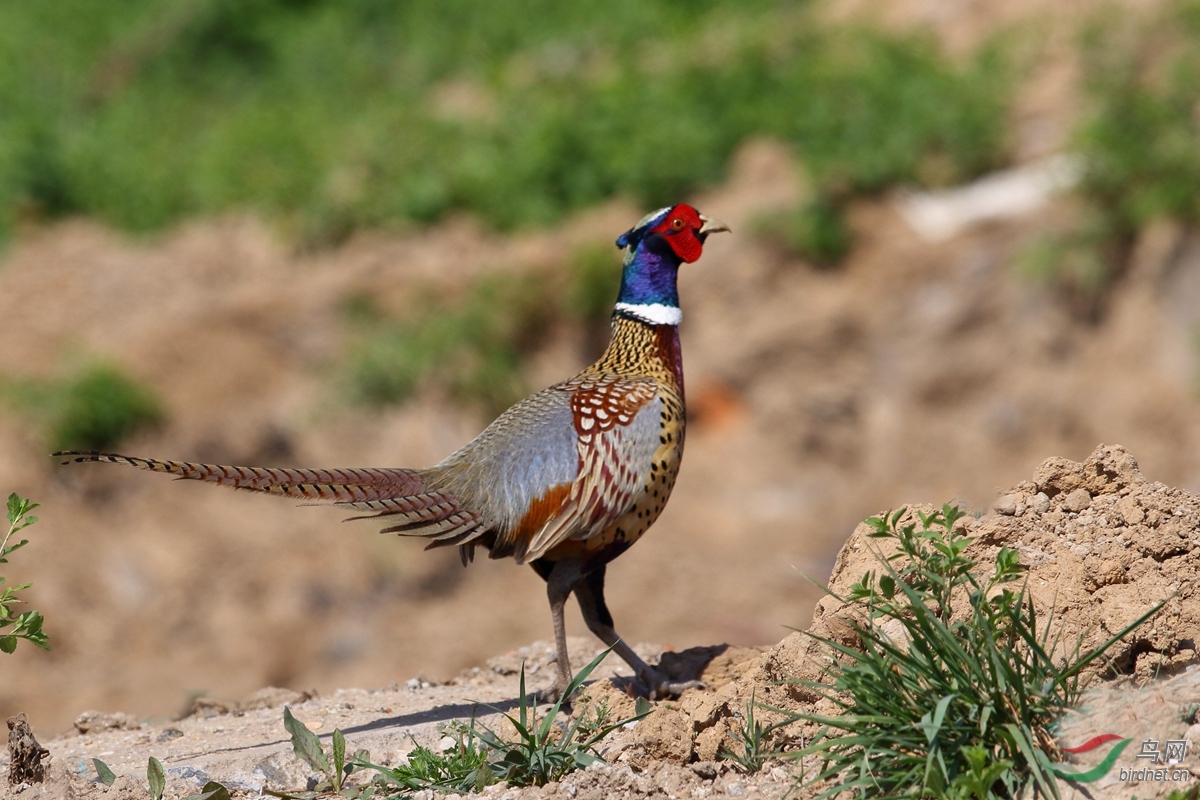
[(398, 496), (349, 486)]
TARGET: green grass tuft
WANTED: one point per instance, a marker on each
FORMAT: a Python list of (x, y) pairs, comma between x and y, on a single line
[(462, 767), (477, 756), (958, 701), (752, 740), (542, 753)]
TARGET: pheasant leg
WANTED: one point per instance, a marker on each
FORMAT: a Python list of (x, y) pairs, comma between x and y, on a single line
[(655, 684), (560, 581)]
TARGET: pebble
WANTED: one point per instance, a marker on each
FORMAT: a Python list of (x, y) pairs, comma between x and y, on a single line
[(1008, 505), (1077, 500)]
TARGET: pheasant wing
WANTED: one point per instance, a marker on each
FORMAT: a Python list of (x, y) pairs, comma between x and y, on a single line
[(617, 424)]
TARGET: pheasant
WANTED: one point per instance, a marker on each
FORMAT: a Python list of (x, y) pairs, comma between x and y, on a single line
[(567, 479)]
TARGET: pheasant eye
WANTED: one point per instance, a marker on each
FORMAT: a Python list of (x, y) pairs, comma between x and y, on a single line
[(677, 224)]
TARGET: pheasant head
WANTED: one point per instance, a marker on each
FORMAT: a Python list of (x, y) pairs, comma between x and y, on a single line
[(654, 249)]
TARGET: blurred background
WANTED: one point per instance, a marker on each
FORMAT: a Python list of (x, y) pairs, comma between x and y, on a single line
[(318, 233)]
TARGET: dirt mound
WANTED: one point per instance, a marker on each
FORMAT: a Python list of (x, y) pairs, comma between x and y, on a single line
[(1101, 545)]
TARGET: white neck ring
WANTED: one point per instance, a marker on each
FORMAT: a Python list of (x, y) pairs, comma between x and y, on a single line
[(653, 313)]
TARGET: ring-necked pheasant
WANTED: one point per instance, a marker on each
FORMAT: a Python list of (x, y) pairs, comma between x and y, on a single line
[(565, 480)]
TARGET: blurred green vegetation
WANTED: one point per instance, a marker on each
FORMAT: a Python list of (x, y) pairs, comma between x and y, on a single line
[(327, 116), (816, 231), (93, 408), (1140, 141), (472, 346)]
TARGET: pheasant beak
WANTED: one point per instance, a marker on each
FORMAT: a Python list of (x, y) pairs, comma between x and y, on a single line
[(710, 225)]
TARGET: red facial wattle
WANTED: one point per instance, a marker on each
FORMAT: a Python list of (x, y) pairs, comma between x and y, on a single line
[(679, 228)]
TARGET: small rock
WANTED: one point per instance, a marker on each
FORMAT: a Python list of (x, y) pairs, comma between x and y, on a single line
[(707, 770), (1007, 505), (711, 740), (1108, 573), (1040, 503), (1130, 511), (207, 708), (1111, 468), (665, 735), (189, 773), (94, 721), (896, 632), (169, 734), (25, 754), (1077, 500), (1058, 475)]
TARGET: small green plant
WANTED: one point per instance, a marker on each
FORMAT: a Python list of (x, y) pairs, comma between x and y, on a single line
[(1181, 794), (753, 740), (333, 766), (960, 701), (27, 625), (477, 756), (156, 778), (462, 767), (211, 791), (541, 754), (104, 773)]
